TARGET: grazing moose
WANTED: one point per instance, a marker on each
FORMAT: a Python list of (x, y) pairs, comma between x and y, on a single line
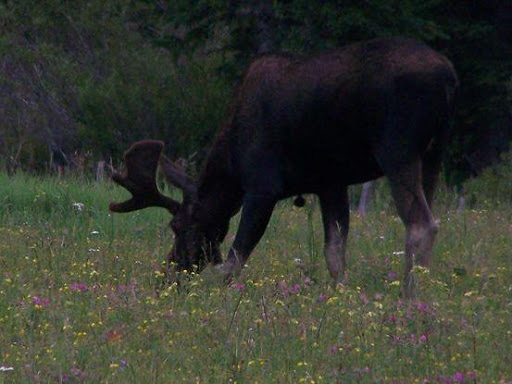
[(310, 125)]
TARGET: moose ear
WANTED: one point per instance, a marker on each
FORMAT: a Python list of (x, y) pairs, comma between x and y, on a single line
[(177, 176)]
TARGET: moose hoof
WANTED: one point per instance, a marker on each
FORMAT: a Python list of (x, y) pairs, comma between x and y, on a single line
[(227, 272)]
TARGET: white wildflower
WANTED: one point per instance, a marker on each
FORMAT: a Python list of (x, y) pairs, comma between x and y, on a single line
[(79, 206)]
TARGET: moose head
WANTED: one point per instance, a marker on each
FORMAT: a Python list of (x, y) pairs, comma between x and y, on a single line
[(196, 243)]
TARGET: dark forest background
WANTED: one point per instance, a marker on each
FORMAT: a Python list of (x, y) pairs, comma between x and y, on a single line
[(81, 80)]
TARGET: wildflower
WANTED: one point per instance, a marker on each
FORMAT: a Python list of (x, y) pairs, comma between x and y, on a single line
[(323, 297), (423, 338), (40, 302), (95, 232), (81, 287), (79, 207), (295, 289), (240, 287), (392, 275), (286, 290), (423, 307), (458, 377)]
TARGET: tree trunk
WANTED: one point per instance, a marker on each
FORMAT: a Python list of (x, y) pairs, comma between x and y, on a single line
[(100, 171), (364, 200)]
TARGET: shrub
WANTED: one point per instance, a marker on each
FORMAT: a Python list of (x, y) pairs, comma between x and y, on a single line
[(493, 185)]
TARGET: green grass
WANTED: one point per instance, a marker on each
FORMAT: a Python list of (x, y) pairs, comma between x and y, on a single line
[(78, 302)]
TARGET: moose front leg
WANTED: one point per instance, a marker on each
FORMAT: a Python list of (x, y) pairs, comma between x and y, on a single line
[(335, 215), (256, 213)]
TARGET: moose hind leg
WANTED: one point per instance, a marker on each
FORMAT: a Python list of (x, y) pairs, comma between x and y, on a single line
[(431, 165), (335, 216), (412, 206)]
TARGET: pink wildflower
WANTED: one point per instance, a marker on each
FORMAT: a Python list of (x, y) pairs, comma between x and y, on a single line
[(240, 287), (323, 297), (79, 287), (42, 302)]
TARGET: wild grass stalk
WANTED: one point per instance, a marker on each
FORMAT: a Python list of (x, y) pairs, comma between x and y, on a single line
[(78, 301)]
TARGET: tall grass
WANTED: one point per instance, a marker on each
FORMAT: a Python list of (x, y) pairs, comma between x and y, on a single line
[(78, 302)]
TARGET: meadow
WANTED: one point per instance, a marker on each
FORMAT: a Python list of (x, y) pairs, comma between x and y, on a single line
[(78, 302)]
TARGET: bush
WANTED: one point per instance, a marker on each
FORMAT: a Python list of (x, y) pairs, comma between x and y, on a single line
[(150, 98), (83, 80), (493, 185)]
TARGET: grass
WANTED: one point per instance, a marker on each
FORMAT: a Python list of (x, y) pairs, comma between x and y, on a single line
[(78, 305)]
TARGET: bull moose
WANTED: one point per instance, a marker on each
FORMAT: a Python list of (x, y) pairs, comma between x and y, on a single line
[(310, 125)]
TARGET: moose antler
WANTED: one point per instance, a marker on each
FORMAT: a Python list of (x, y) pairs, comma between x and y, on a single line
[(141, 161), (176, 175)]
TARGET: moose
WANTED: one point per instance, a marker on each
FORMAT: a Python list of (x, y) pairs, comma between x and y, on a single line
[(310, 125)]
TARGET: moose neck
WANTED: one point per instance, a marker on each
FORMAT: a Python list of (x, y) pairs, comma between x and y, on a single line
[(219, 192)]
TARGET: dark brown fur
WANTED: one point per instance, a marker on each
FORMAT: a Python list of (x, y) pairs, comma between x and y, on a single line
[(316, 125)]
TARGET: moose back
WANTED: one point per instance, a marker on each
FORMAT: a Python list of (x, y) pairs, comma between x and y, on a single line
[(316, 124)]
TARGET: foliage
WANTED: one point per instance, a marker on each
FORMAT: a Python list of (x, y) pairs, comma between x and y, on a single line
[(493, 186), (475, 36), (96, 75), (83, 79), (78, 302)]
